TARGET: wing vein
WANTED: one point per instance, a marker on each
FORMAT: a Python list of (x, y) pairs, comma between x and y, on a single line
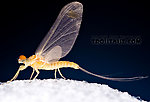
[(59, 37), (59, 18), (62, 35)]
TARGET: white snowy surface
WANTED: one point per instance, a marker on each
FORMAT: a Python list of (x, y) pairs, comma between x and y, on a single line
[(60, 90)]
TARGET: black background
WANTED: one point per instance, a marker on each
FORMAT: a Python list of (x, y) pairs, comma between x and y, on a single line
[(24, 24)]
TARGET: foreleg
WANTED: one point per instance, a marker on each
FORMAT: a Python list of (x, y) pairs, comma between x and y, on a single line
[(22, 67)]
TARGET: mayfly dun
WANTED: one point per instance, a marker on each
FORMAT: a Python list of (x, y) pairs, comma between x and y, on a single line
[(57, 44)]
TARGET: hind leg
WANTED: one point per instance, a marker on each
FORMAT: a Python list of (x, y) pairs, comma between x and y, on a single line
[(55, 73), (61, 74)]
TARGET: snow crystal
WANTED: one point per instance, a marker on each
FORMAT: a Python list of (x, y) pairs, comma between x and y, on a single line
[(54, 90)]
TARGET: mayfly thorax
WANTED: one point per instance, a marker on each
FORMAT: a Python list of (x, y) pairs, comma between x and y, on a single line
[(57, 44)]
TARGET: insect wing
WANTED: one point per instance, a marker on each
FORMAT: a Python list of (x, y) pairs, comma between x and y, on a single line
[(62, 34)]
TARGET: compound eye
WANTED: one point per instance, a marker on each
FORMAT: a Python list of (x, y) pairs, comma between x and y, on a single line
[(22, 57)]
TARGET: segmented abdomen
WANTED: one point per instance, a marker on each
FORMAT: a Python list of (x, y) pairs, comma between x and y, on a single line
[(54, 65)]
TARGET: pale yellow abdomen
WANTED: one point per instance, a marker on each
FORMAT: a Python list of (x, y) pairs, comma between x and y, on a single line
[(54, 65)]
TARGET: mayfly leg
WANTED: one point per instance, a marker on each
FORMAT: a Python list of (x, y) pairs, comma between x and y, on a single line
[(36, 74), (22, 67), (55, 73), (61, 74), (16, 75), (32, 74)]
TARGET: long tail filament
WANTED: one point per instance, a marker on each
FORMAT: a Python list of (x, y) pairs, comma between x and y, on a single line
[(114, 79)]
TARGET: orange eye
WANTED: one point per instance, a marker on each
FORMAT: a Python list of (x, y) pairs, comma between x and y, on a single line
[(22, 57)]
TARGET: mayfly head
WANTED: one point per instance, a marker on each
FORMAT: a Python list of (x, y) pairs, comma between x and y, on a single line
[(21, 59)]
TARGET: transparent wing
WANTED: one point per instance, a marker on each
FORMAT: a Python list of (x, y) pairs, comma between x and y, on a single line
[(62, 35)]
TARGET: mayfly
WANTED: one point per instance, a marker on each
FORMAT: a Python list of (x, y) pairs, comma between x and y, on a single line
[(57, 44)]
